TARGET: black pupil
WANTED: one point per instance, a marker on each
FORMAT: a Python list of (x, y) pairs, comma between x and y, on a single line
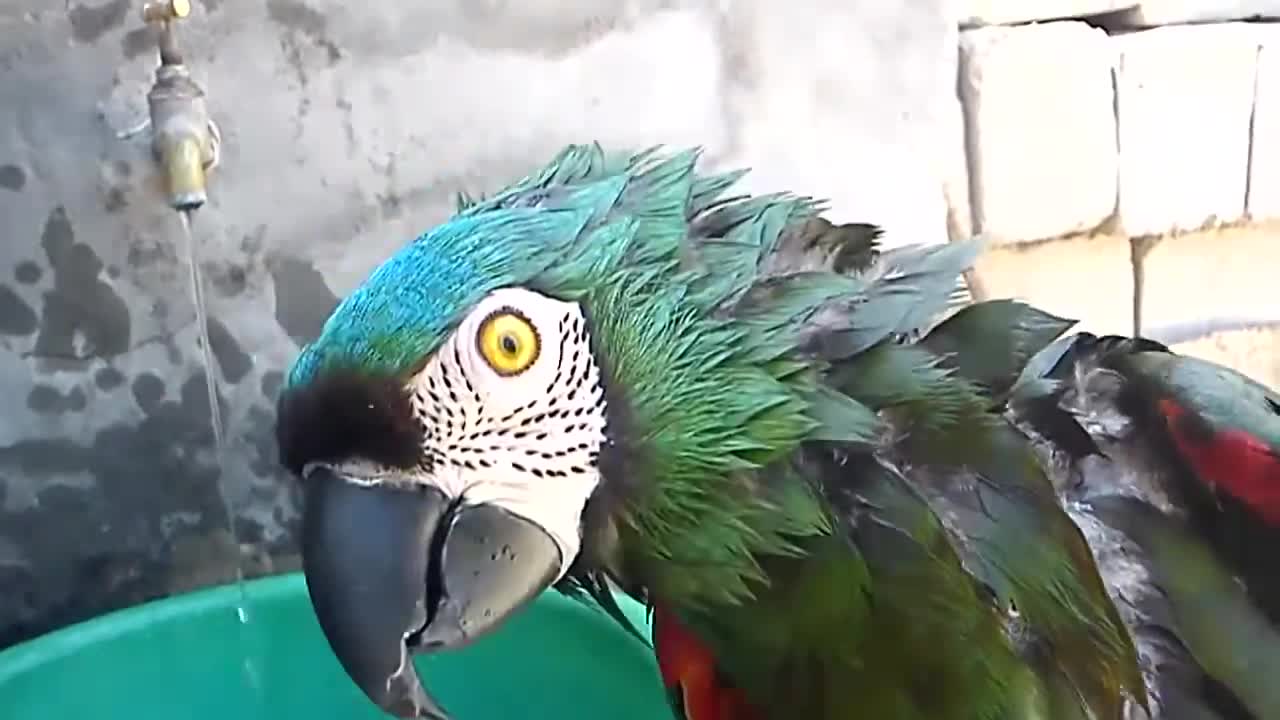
[(509, 344)]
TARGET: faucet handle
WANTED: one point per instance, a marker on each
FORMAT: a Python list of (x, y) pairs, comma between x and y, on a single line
[(165, 10)]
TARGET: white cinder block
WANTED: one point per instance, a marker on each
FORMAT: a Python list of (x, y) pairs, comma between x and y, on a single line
[(1152, 13), (1040, 128), (975, 13), (1264, 165), (1184, 98)]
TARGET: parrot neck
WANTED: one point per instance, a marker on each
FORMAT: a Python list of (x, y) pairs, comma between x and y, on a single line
[(698, 479), (662, 521)]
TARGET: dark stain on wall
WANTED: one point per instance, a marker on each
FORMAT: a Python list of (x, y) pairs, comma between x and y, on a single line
[(303, 298), (80, 305), (297, 16), (115, 200), (137, 42), (16, 316), (49, 400), (261, 438), (108, 378), (151, 491), (308, 21), (227, 279), (271, 382), (12, 177), (91, 22), (234, 362), (148, 391), (27, 273)]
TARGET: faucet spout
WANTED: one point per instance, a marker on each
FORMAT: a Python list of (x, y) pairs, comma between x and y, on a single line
[(182, 159), (184, 138)]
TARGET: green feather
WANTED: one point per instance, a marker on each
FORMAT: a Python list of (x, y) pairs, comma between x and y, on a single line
[(989, 343), (1232, 640)]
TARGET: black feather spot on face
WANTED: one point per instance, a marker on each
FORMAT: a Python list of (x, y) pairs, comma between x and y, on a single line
[(344, 415)]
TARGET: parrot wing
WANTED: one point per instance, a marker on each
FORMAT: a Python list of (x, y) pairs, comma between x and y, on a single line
[(1171, 497)]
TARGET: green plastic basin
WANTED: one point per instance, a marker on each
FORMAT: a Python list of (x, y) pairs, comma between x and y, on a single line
[(188, 657)]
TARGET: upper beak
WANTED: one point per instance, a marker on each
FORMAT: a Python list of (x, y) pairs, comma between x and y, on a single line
[(393, 570)]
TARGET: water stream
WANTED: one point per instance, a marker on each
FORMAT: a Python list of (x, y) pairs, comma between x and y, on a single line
[(219, 440)]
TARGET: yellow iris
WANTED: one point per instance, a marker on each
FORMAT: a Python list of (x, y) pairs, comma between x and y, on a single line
[(508, 342)]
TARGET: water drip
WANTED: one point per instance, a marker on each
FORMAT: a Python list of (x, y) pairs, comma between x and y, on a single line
[(252, 677)]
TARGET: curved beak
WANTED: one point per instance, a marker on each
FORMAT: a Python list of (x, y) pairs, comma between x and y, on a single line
[(395, 570)]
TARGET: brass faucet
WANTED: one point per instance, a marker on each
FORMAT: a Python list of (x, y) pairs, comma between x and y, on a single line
[(184, 138)]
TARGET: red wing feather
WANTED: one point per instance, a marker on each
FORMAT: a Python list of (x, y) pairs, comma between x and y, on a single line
[(691, 676), (1235, 461)]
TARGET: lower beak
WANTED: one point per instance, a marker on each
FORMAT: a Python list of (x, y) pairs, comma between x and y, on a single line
[(393, 570)]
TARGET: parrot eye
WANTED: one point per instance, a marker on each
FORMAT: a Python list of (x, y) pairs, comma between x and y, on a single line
[(508, 342)]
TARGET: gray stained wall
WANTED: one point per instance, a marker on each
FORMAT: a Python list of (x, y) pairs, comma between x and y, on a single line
[(348, 127)]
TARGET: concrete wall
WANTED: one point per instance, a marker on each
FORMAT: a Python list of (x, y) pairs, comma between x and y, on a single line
[(1058, 127), (347, 130)]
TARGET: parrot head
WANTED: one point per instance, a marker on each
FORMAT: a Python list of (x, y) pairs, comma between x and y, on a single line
[(543, 391), (447, 428)]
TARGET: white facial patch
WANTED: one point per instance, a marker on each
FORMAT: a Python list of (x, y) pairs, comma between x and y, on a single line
[(528, 441)]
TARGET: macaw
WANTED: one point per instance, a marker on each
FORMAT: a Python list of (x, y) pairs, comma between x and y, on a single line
[(842, 490)]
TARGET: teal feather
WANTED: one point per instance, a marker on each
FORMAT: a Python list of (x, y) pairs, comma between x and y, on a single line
[(400, 314)]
